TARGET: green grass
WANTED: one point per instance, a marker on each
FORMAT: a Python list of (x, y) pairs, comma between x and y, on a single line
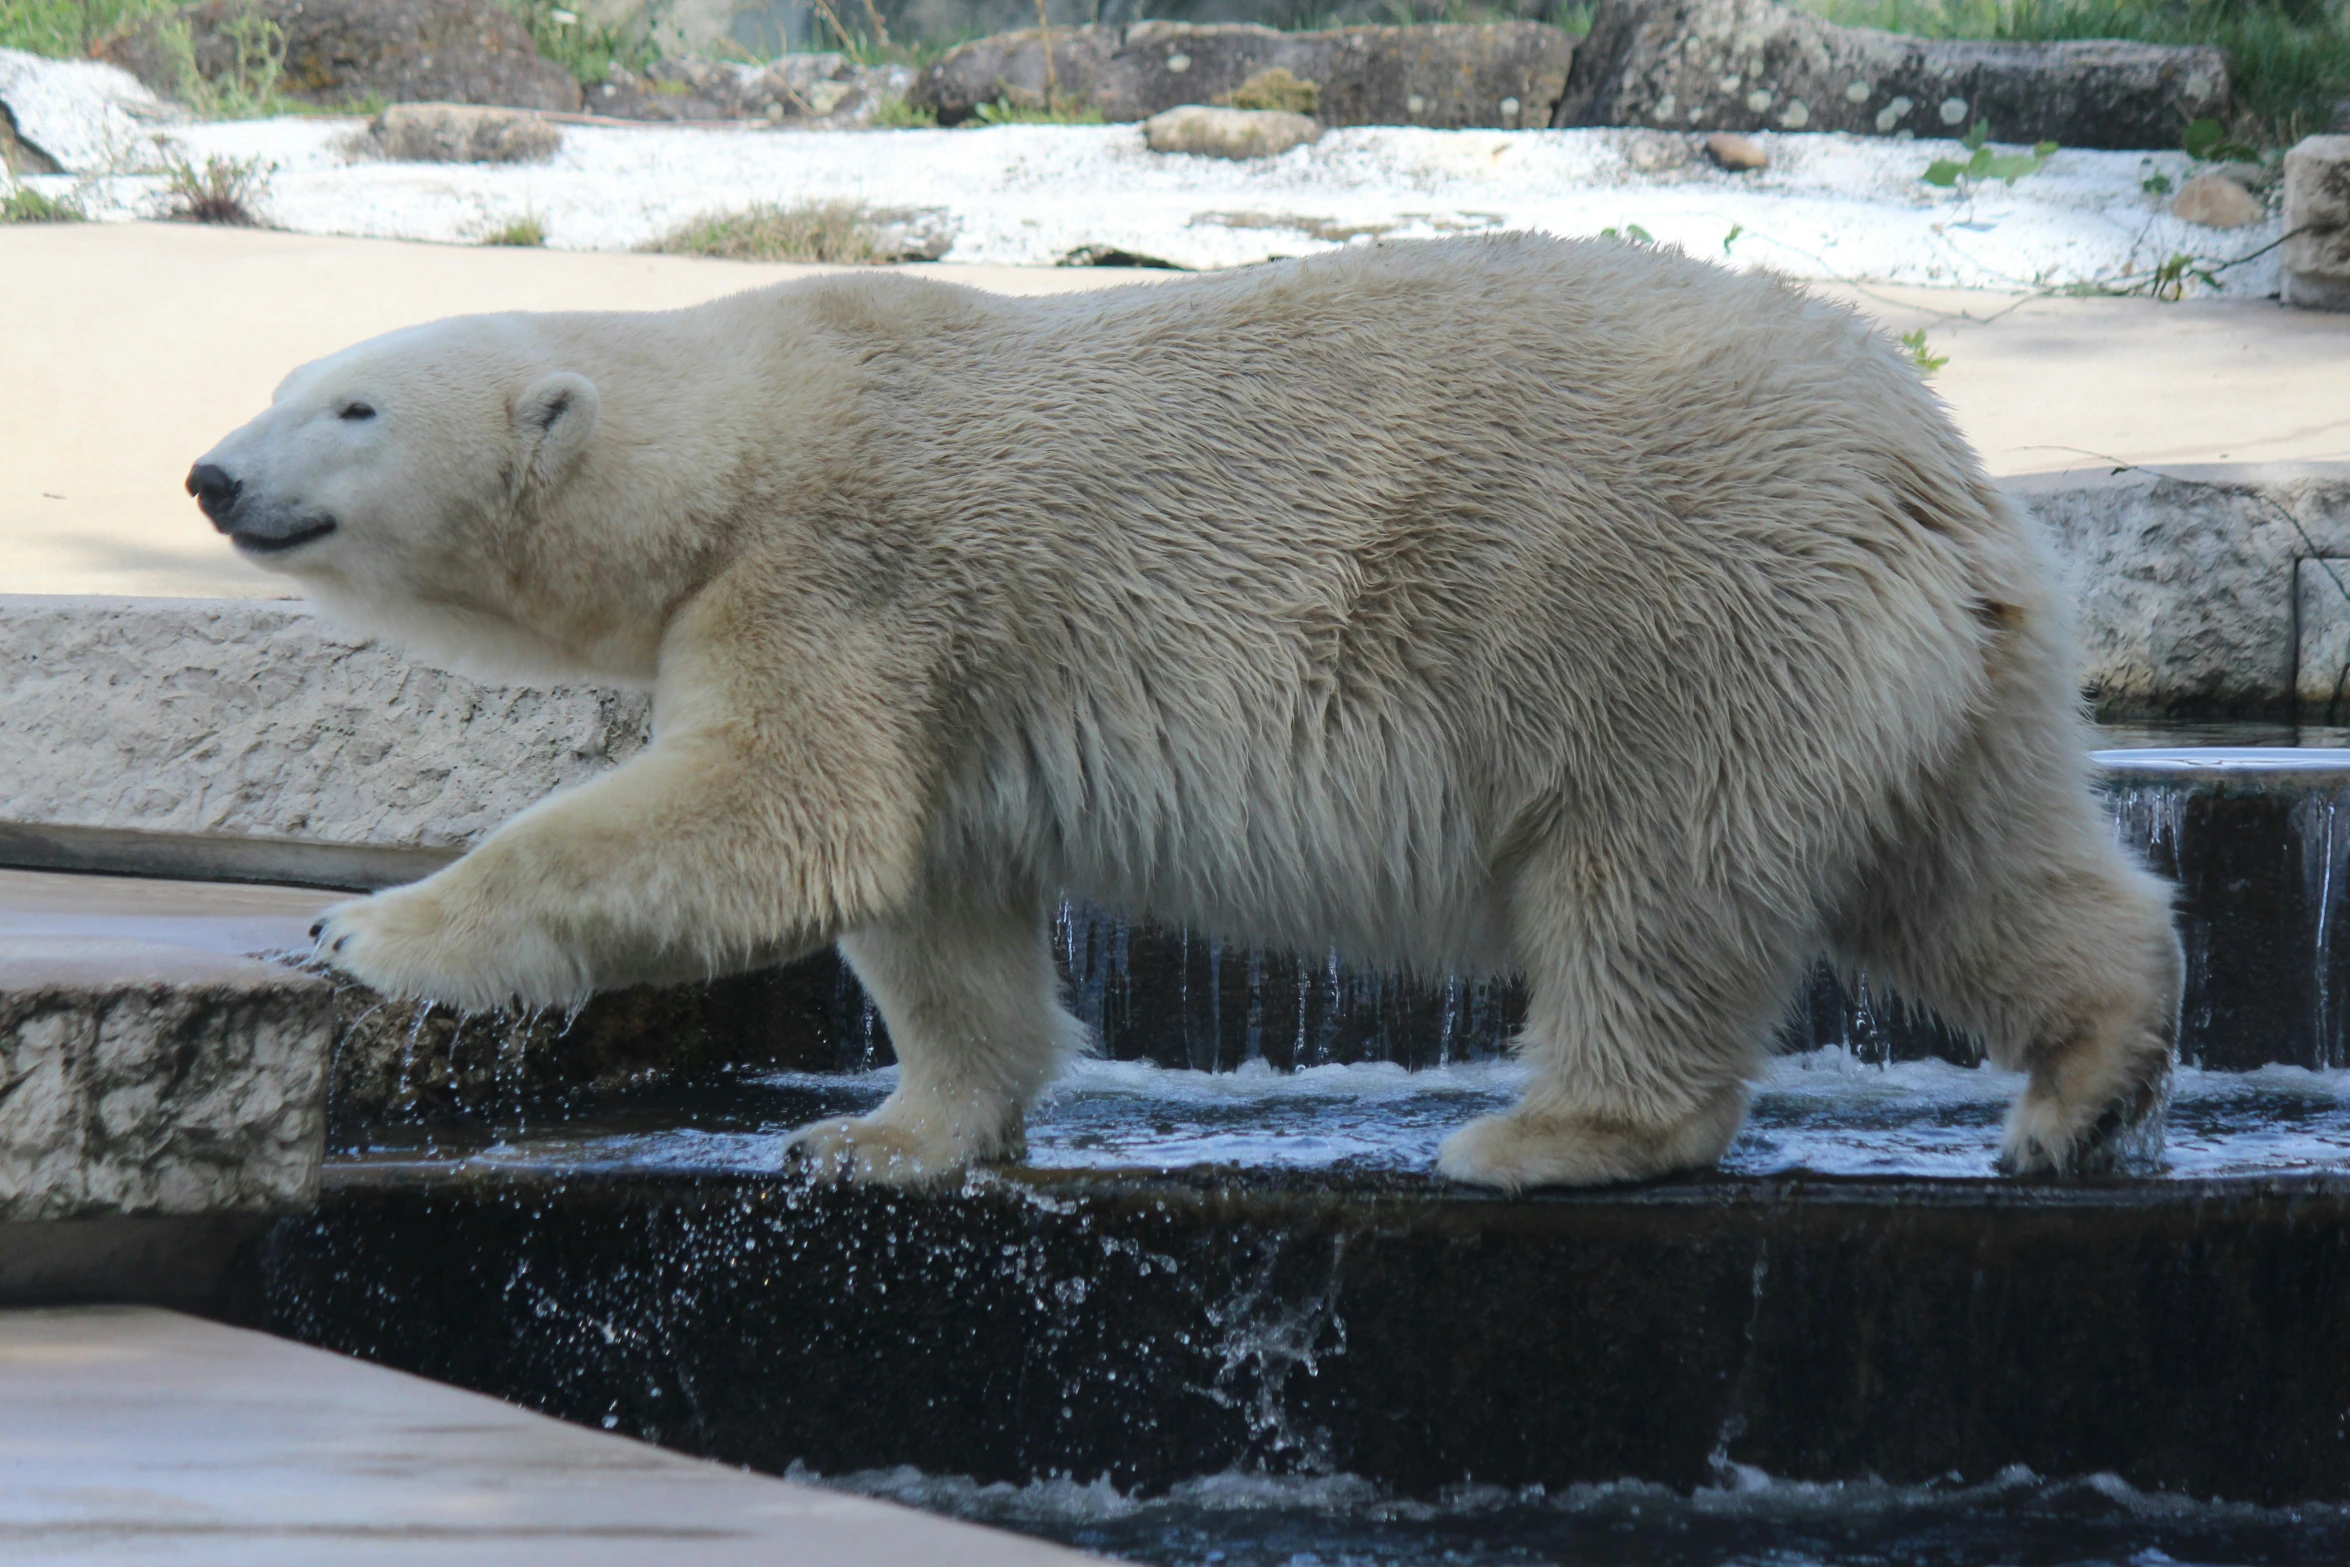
[(2291, 58), (837, 232), (1007, 111), (898, 114), (586, 49), (525, 232), (65, 28), (27, 205)]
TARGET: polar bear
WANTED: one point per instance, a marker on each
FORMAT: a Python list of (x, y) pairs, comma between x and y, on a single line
[(1487, 605)]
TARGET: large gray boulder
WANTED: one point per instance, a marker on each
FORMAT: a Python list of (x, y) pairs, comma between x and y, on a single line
[(1746, 65), (1506, 75), (815, 91), (342, 51)]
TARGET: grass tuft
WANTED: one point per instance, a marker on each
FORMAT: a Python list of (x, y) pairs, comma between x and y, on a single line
[(833, 232), (223, 191), (587, 49), (525, 232), (903, 114), (27, 205), (1057, 111)]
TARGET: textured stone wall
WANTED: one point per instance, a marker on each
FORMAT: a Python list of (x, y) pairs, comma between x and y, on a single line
[(251, 720), (146, 1082)]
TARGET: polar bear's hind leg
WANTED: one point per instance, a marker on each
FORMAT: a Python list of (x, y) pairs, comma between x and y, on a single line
[(1650, 1008)]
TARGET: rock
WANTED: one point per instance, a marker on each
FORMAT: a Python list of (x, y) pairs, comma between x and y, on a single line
[(1738, 154), (143, 1078), (1208, 132), (1449, 75), (462, 133), (817, 91), (339, 51), (2217, 202), (75, 116), (2317, 216), (1745, 65)]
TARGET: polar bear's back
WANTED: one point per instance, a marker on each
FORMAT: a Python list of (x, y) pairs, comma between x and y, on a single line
[(1307, 598)]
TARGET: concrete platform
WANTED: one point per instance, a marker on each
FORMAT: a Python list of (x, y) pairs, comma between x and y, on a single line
[(134, 1436), (118, 383)]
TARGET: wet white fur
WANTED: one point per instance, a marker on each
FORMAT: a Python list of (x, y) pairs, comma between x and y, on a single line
[(1500, 604)]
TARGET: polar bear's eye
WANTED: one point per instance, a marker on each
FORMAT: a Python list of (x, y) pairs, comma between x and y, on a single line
[(357, 411)]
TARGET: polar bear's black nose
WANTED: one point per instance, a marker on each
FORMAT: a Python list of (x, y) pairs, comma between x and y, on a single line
[(214, 490)]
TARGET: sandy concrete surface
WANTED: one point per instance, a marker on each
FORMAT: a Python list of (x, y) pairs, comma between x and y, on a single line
[(133, 1435), (221, 924), (132, 347)]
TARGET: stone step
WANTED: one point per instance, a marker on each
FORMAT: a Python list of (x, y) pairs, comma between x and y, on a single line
[(1153, 1328)]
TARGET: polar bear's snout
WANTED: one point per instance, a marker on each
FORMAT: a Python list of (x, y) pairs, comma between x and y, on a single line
[(248, 520), (216, 493)]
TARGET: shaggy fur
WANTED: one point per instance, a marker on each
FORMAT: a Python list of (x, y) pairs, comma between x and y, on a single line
[(1567, 609)]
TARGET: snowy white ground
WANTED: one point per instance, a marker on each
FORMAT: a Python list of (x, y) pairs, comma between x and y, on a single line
[(1829, 206)]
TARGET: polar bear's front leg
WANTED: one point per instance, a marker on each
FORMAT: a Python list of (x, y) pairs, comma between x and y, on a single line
[(971, 1000), (664, 870)]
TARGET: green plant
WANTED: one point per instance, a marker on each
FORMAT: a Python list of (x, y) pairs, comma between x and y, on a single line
[(64, 28), (903, 114), (1984, 164), (1634, 234), (1926, 360), (588, 50), (821, 231), (223, 191), (1056, 111), (2155, 183), (1731, 238), (2206, 141), (526, 231), (257, 58), (27, 205), (2169, 280)]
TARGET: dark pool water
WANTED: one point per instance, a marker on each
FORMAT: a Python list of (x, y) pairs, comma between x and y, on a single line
[(1748, 1520)]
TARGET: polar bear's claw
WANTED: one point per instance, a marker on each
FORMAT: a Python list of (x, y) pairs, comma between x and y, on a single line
[(877, 1151)]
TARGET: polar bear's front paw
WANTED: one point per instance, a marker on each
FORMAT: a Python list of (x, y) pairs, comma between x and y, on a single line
[(886, 1150), (405, 943), (1526, 1148)]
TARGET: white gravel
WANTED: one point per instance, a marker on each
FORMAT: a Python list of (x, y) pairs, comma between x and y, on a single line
[(1829, 206)]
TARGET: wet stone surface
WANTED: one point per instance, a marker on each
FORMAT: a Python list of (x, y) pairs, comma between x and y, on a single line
[(1150, 1330)]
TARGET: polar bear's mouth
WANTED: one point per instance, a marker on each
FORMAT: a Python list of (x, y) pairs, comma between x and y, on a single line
[(279, 543)]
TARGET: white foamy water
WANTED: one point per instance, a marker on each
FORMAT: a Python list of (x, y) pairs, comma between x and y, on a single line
[(1824, 1112)]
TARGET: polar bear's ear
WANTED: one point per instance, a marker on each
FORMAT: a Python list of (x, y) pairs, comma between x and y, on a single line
[(553, 421)]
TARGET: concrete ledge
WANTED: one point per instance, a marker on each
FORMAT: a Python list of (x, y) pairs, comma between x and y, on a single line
[(250, 723), (142, 1077), (141, 1435)]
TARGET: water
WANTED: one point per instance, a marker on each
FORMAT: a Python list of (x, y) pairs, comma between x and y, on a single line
[(1747, 1520), (1824, 1111)]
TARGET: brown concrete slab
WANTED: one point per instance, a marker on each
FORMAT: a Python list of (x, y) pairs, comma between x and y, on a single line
[(133, 1435), (136, 346)]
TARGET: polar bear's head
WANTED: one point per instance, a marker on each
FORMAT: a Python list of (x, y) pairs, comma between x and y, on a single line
[(410, 483)]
